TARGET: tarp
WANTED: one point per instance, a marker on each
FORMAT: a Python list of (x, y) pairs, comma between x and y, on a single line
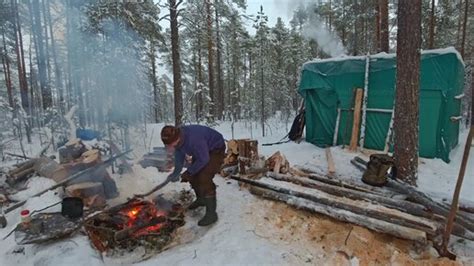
[(328, 84)]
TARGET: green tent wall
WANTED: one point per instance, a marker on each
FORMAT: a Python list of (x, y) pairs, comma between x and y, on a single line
[(328, 84)]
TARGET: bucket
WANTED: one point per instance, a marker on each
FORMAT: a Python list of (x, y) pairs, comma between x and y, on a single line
[(72, 207)]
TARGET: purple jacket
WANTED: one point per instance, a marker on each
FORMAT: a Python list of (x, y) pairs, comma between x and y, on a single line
[(198, 141)]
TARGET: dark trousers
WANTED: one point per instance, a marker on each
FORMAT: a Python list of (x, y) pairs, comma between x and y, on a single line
[(202, 183)]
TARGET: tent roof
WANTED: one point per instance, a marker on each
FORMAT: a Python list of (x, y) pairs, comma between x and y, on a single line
[(438, 66)]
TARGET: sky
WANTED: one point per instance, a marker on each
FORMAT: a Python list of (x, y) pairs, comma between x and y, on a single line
[(272, 8)]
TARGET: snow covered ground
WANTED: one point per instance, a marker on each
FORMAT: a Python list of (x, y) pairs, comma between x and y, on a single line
[(250, 231)]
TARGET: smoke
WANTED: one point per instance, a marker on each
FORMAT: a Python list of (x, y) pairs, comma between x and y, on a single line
[(107, 58), (313, 28), (316, 30)]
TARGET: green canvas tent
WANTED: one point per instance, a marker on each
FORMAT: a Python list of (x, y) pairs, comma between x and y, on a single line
[(327, 85)]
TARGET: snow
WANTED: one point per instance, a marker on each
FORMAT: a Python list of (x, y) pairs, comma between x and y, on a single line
[(241, 236), (383, 55)]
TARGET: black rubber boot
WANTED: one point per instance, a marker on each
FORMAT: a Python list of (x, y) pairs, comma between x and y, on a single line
[(211, 216), (196, 204)]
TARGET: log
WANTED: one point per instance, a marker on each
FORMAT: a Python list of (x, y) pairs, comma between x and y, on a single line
[(343, 215), (22, 167), (72, 150), (85, 189), (356, 123), (405, 206), (70, 178), (232, 147), (358, 207), (331, 166), (410, 207), (248, 148), (20, 176), (337, 182), (125, 233), (436, 207)]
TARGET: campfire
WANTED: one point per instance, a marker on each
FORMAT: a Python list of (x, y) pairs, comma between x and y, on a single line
[(133, 224)]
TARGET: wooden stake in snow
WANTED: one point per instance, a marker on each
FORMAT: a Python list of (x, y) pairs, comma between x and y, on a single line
[(389, 134), (336, 128), (355, 125), (331, 166), (364, 102)]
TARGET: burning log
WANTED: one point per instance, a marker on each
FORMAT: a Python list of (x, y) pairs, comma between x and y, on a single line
[(132, 224), (343, 215), (125, 233)]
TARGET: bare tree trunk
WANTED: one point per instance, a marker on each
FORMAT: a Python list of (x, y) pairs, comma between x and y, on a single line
[(355, 40), (199, 100), (330, 16), (45, 89), (178, 91), (407, 90), (57, 71), (46, 45), (210, 56), (154, 81), (464, 25), (220, 85), (6, 72), (432, 25), (377, 25), (20, 66), (384, 34)]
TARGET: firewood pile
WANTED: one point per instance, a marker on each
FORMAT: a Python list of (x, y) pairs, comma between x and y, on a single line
[(243, 158), (74, 157), (397, 209)]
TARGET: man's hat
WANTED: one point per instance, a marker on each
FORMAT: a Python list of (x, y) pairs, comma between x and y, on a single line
[(169, 134)]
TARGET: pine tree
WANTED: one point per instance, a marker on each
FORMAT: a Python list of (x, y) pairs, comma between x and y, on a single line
[(406, 117)]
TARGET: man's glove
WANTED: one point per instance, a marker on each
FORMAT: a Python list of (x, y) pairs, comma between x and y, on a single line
[(173, 177), (186, 177)]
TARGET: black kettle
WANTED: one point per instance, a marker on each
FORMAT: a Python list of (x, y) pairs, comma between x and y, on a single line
[(72, 207)]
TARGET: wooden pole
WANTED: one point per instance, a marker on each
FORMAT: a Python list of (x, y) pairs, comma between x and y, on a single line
[(356, 123), (364, 102), (336, 128), (457, 190)]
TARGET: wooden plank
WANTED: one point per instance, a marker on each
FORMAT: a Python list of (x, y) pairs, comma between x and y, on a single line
[(355, 125), (331, 165)]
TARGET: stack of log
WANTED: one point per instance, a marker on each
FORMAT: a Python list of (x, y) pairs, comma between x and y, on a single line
[(242, 153), (277, 163), (397, 209)]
